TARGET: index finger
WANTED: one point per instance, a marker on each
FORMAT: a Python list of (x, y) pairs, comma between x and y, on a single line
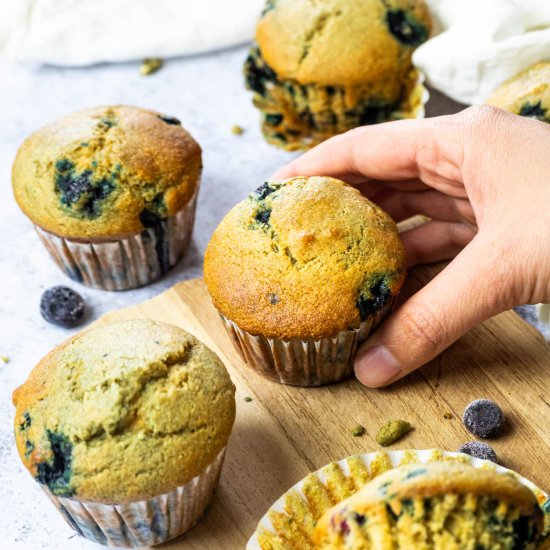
[(429, 150)]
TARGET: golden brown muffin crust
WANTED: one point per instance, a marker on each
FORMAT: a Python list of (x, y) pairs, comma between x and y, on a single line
[(100, 173), (342, 42), (295, 263), (527, 93), (123, 412)]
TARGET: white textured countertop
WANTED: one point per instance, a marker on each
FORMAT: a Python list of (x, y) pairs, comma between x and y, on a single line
[(207, 94)]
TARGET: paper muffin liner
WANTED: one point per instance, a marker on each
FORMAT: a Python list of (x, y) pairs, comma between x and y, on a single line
[(129, 262), (142, 522), (289, 523), (301, 362)]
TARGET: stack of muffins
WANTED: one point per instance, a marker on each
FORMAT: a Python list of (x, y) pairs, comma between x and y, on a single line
[(318, 69)]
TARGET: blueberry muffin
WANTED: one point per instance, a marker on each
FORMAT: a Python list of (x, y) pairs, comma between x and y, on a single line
[(320, 68), (125, 428), (111, 192), (527, 93), (438, 506), (301, 271)]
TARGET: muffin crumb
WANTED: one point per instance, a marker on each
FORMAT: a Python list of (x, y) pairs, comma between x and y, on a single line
[(150, 66), (358, 431), (392, 431), (448, 415), (5, 359), (237, 130), (248, 399)]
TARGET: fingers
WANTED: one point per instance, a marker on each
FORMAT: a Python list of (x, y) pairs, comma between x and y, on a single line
[(471, 289), (403, 205), (429, 150), (435, 241)]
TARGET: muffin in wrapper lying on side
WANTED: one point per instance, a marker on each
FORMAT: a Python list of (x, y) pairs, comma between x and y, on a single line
[(301, 272), (125, 428), (437, 506), (527, 93), (320, 68), (111, 192)]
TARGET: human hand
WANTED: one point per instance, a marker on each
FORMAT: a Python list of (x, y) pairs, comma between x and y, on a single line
[(483, 177)]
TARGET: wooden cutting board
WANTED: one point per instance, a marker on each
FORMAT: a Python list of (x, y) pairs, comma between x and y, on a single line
[(285, 431)]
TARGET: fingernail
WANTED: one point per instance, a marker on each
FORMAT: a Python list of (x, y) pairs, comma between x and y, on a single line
[(376, 366)]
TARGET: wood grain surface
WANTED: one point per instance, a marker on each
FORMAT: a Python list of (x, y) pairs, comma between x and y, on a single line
[(285, 431)]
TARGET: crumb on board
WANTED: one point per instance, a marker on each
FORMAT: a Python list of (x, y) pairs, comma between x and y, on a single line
[(248, 399), (150, 65), (5, 359), (448, 415), (237, 130), (392, 431), (358, 431)]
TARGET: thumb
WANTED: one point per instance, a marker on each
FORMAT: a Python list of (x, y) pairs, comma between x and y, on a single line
[(469, 290)]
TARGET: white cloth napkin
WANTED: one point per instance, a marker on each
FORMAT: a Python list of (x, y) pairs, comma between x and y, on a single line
[(83, 32), (483, 43)]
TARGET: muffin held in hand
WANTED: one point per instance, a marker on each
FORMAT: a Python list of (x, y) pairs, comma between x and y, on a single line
[(301, 272), (112, 193), (125, 427), (320, 68), (527, 93), (437, 506)]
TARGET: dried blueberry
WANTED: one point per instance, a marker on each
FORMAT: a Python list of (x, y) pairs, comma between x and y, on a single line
[(406, 28), (360, 519), (533, 111), (78, 191), (62, 306), (273, 119), (264, 190), (262, 215), (375, 298), (257, 73), (56, 473), (29, 448), (170, 120), (483, 418), (26, 421), (478, 449)]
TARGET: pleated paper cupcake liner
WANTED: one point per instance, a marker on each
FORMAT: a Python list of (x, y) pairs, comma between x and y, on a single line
[(129, 262), (143, 522), (303, 362), (290, 521)]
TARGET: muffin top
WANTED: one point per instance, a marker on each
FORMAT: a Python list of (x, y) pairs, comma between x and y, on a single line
[(123, 412), (106, 172), (303, 258), (341, 42), (527, 93), (397, 489)]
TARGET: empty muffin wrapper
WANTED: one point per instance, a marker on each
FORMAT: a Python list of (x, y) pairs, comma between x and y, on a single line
[(129, 262), (300, 362), (290, 521), (142, 522)]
